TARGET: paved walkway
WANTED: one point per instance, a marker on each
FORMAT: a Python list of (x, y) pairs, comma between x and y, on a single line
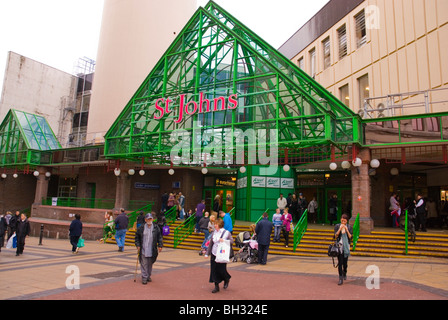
[(42, 272)]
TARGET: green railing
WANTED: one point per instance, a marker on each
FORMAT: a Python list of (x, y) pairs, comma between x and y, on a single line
[(356, 231), (406, 233), (171, 215), (300, 229), (109, 228), (232, 216), (261, 217), (93, 203), (184, 230)]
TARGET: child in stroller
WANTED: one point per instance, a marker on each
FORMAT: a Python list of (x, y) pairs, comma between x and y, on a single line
[(248, 248)]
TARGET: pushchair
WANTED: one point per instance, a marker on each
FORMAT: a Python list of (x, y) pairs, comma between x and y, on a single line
[(411, 224), (248, 248)]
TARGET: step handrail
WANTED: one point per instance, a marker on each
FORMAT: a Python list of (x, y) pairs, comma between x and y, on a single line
[(184, 230), (356, 231), (261, 217), (300, 229), (171, 215), (109, 226), (406, 233)]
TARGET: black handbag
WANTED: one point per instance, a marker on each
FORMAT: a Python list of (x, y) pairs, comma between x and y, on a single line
[(334, 250)]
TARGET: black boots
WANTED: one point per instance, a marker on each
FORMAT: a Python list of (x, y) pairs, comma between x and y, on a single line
[(341, 281), (216, 288)]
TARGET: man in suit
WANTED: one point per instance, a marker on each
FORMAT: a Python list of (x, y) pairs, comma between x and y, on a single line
[(263, 231)]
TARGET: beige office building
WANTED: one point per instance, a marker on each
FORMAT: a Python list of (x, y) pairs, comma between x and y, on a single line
[(391, 52)]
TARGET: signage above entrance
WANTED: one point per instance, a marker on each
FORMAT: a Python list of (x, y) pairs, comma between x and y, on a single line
[(190, 108)]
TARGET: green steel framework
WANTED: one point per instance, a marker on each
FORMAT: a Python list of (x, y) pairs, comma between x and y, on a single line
[(26, 139), (218, 56)]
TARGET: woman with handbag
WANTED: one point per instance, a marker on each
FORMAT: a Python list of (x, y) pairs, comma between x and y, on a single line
[(286, 225), (343, 233), (218, 271), (75, 232)]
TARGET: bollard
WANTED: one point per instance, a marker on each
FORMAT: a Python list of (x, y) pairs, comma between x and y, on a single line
[(41, 234)]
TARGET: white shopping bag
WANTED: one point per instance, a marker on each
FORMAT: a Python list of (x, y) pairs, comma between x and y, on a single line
[(10, 243), (223, 252)]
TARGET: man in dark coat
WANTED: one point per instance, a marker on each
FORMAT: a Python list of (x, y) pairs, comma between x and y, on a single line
[(75, 232), (263, 231), (149, 242), (121, 225), (22, 231)]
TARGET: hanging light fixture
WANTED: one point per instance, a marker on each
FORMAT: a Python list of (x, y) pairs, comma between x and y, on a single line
[(243, 169), (286, 168), (4, 176), (131, 172), (36, 173), (142, 172), (346, 165), (117, 172), (357, 162), (171, 172), (375, 163)]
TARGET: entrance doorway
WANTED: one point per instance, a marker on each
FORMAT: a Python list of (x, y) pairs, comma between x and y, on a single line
[(344, 203), (219, 199)]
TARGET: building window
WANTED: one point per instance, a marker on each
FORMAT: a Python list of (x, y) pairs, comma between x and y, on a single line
[(313, 63), (342, 42), (327, 53), (345, 95), (301, 63), (433, 124), (364, 89), (361, 31)]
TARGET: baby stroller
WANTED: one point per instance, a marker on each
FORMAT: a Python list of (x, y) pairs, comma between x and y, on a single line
[(411, 224), (248, 248)]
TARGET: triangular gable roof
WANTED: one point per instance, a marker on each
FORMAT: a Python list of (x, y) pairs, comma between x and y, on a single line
[(23, 136), (216, 56)]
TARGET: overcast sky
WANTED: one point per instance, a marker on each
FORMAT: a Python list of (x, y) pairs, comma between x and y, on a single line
[(58, 32)]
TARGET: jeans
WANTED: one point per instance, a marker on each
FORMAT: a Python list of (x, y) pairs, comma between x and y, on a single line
[(120, 237), (277, 230)]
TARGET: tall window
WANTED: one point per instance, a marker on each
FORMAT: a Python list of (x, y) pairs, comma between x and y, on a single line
[(342, 41), (327, 53), (313, 63), (301, 63), (361, 31), (364, 89), (345, 95)]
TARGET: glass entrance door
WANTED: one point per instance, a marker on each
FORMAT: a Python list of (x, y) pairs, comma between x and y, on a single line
[(344, 202), (219, 199)]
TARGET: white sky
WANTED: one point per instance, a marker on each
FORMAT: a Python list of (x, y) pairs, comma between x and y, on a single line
[(58, 32)]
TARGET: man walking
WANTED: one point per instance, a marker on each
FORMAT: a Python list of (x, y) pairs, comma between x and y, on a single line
[(149, 243), (121, 225), (263, 231)]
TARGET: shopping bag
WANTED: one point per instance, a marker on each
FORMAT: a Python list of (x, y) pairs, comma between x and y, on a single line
[(10, 243), (223, 252), (80, 243), (166, 230)]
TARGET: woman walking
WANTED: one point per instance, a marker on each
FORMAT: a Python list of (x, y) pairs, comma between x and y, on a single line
[(286, 225), (22, 231), (343, 234), (218, 271), (75, 232)]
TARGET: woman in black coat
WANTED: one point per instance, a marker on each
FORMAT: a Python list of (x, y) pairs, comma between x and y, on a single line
[(22, 231), (75, 232)]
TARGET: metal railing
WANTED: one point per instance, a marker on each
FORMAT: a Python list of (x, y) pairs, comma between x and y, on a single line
[(300, 229), (356, 232)]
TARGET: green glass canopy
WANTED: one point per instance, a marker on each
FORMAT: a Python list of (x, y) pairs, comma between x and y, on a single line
[(220, 79), (26, 139)]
